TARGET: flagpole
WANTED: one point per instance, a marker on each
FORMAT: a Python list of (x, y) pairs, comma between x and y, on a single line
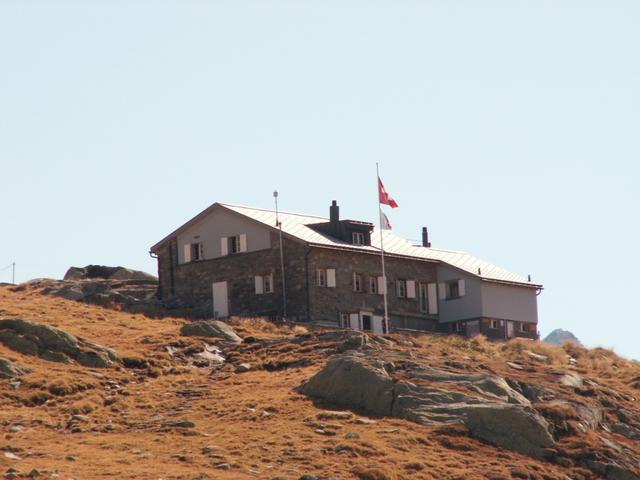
[(384, 275)]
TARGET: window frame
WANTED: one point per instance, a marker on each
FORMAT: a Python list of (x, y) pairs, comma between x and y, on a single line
[(357, 282), (321, 277), (494, 324), (373, 285), (423, 300), (401, 288), (361, 239)]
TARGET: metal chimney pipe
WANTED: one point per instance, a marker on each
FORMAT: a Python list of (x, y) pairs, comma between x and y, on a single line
[(425, 237), (334, 212)]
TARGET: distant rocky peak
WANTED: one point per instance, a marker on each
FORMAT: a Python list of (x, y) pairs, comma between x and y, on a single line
[(560, 336)]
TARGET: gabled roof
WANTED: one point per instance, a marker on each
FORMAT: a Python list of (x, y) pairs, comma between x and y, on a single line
[(295, 225)]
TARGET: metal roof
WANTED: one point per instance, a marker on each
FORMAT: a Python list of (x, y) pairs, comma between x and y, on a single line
[(296, 225)]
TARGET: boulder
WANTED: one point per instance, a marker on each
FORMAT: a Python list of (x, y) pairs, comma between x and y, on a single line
[(104, 272), (492, 410), (354, 382), (8, 369), (52, 344), (210, 328), (513, 427)]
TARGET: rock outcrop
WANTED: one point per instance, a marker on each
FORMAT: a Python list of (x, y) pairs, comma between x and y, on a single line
[(106, 273), (130, 290), (52, 344), (210, 329), (9, 369), (485, 404)]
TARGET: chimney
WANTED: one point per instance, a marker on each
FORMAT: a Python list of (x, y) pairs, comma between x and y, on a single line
[(334, 213), (425, 238)]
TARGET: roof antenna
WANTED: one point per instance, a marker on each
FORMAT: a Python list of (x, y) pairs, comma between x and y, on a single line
[(529, 278), (284, 290)]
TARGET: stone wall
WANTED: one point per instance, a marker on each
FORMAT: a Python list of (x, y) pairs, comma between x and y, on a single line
[(193, 281), (327, 303), (190, 286)]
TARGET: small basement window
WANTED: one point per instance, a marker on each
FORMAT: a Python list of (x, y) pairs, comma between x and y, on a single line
[(494, 324)]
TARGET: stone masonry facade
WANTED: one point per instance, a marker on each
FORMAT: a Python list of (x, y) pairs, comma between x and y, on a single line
[(187, 287)]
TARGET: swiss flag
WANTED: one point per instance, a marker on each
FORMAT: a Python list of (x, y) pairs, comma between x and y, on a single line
[(384, 221), (384, 197)]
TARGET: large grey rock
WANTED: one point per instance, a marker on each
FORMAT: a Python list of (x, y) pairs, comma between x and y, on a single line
[(513, 427), (105, 272), (491, 386), (52, 344), (46, 336), (492, 410), (210, 328), (8, 369), (353, 381)]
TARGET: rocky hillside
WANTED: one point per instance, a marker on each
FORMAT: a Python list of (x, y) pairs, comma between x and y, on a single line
[(89, 392)]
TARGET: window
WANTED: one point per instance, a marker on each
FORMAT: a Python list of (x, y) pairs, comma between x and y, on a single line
[(357, 238), (357, 282), (366, 322), (373, 284), (264, 283), (452, 290), (268, 283), (423, 297), (233, 244), (344, 320), (322, 278), (523, 327), (326, 277), (494, 324), (401, 288), (457, 327), (193, 252), (197, 251)]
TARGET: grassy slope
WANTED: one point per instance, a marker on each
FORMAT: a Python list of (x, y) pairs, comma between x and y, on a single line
[(254, 421)]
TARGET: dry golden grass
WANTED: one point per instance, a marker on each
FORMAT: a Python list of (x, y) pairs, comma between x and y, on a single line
[(255, 421)]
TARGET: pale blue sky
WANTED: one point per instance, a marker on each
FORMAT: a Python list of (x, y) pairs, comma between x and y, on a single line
[(510, 128)]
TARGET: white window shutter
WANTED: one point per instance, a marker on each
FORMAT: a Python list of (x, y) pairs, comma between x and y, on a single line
[(331, 277), (224, 246), (243, 242), (461, 288), (442, 291), (382, 288), (259, 284), (354, 321), (187, 253), (432, 296), (411, 289)]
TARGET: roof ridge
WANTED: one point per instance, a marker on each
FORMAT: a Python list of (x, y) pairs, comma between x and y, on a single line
[(272, 210)]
